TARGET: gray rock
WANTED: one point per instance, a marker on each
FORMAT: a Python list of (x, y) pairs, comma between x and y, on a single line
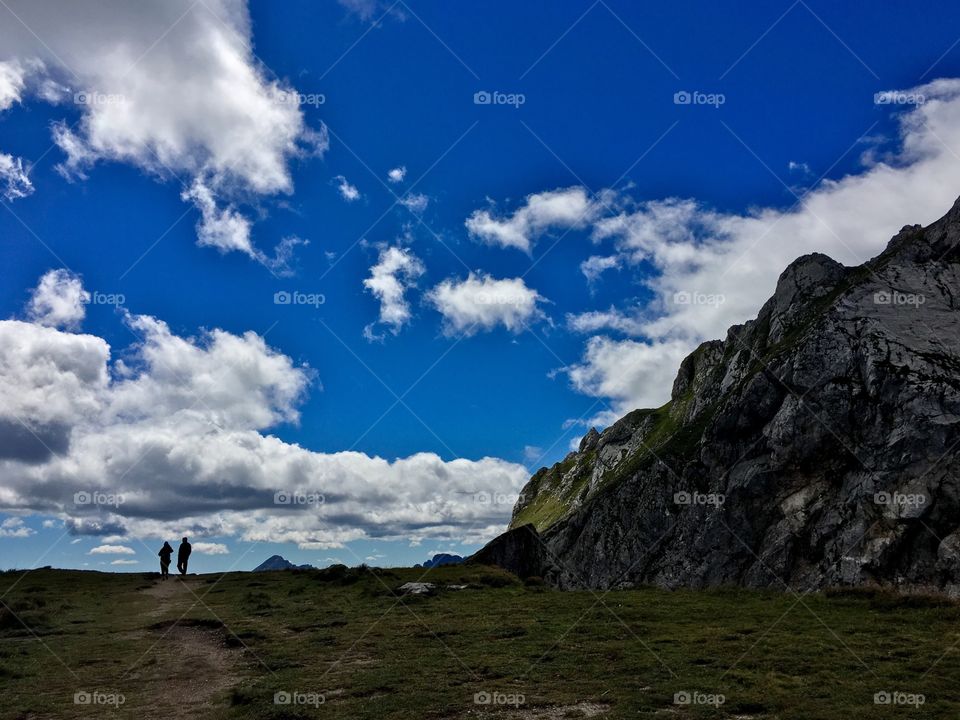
[(813, 446)]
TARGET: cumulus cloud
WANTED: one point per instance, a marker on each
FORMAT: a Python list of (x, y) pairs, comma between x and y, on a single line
[(11, 83), (415, 202), (112, 550), (347, 191), (208, 548), (172, 437), (713, 269), (565, 208), (396, 271), (59, 300), (611, 319), (173, 89), (222, 228), (397, 174), (630, 373), (481, 302), (14, 528)]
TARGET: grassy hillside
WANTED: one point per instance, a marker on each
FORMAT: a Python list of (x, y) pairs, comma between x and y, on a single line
[(222, 646)]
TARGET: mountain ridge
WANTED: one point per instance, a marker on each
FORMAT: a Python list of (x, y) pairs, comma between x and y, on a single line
[(278, 562), (795, 451), (440, 559)]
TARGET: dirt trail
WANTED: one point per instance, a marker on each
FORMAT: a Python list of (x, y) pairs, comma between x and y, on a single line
[(175, 591), (190, 666)]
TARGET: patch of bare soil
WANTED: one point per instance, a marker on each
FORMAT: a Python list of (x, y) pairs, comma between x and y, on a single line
[(555, 712), (190, 668)]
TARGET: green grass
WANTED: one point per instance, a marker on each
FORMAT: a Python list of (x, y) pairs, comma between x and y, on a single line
[(551, 503), (344, 635), (666, 438)]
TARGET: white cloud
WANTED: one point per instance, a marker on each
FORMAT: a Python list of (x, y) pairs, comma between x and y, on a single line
[(347, 191), (415, 202), (121, 561), (397, 174), (737, 258), (482, 303), (14, 528), (207, 548), (177, 432), (396, 271), (235, 381), (532, 454), (14, 181), (563, 208), (595, 265), (629, 373), (220, 227), (112, 550), (172, 88), (59, 300), (611, 319), (11, 84)]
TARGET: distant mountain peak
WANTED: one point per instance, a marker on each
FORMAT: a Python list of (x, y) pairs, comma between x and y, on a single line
[(278, 562), (442, 559)]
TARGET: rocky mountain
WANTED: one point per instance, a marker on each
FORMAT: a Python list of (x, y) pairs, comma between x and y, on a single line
[(277, 562), (441, 559), (813, 446)]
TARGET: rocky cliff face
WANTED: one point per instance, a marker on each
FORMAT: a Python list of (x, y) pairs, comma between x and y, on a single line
[(816, 445)]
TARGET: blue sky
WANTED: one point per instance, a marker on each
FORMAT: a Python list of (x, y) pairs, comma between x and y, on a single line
[(700, 200)]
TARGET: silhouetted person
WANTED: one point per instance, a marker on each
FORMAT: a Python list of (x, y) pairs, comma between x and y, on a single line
[(183, 555), (165, 553)]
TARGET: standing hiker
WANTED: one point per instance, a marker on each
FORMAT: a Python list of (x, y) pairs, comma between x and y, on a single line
[(165, 552), (183, 555)]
